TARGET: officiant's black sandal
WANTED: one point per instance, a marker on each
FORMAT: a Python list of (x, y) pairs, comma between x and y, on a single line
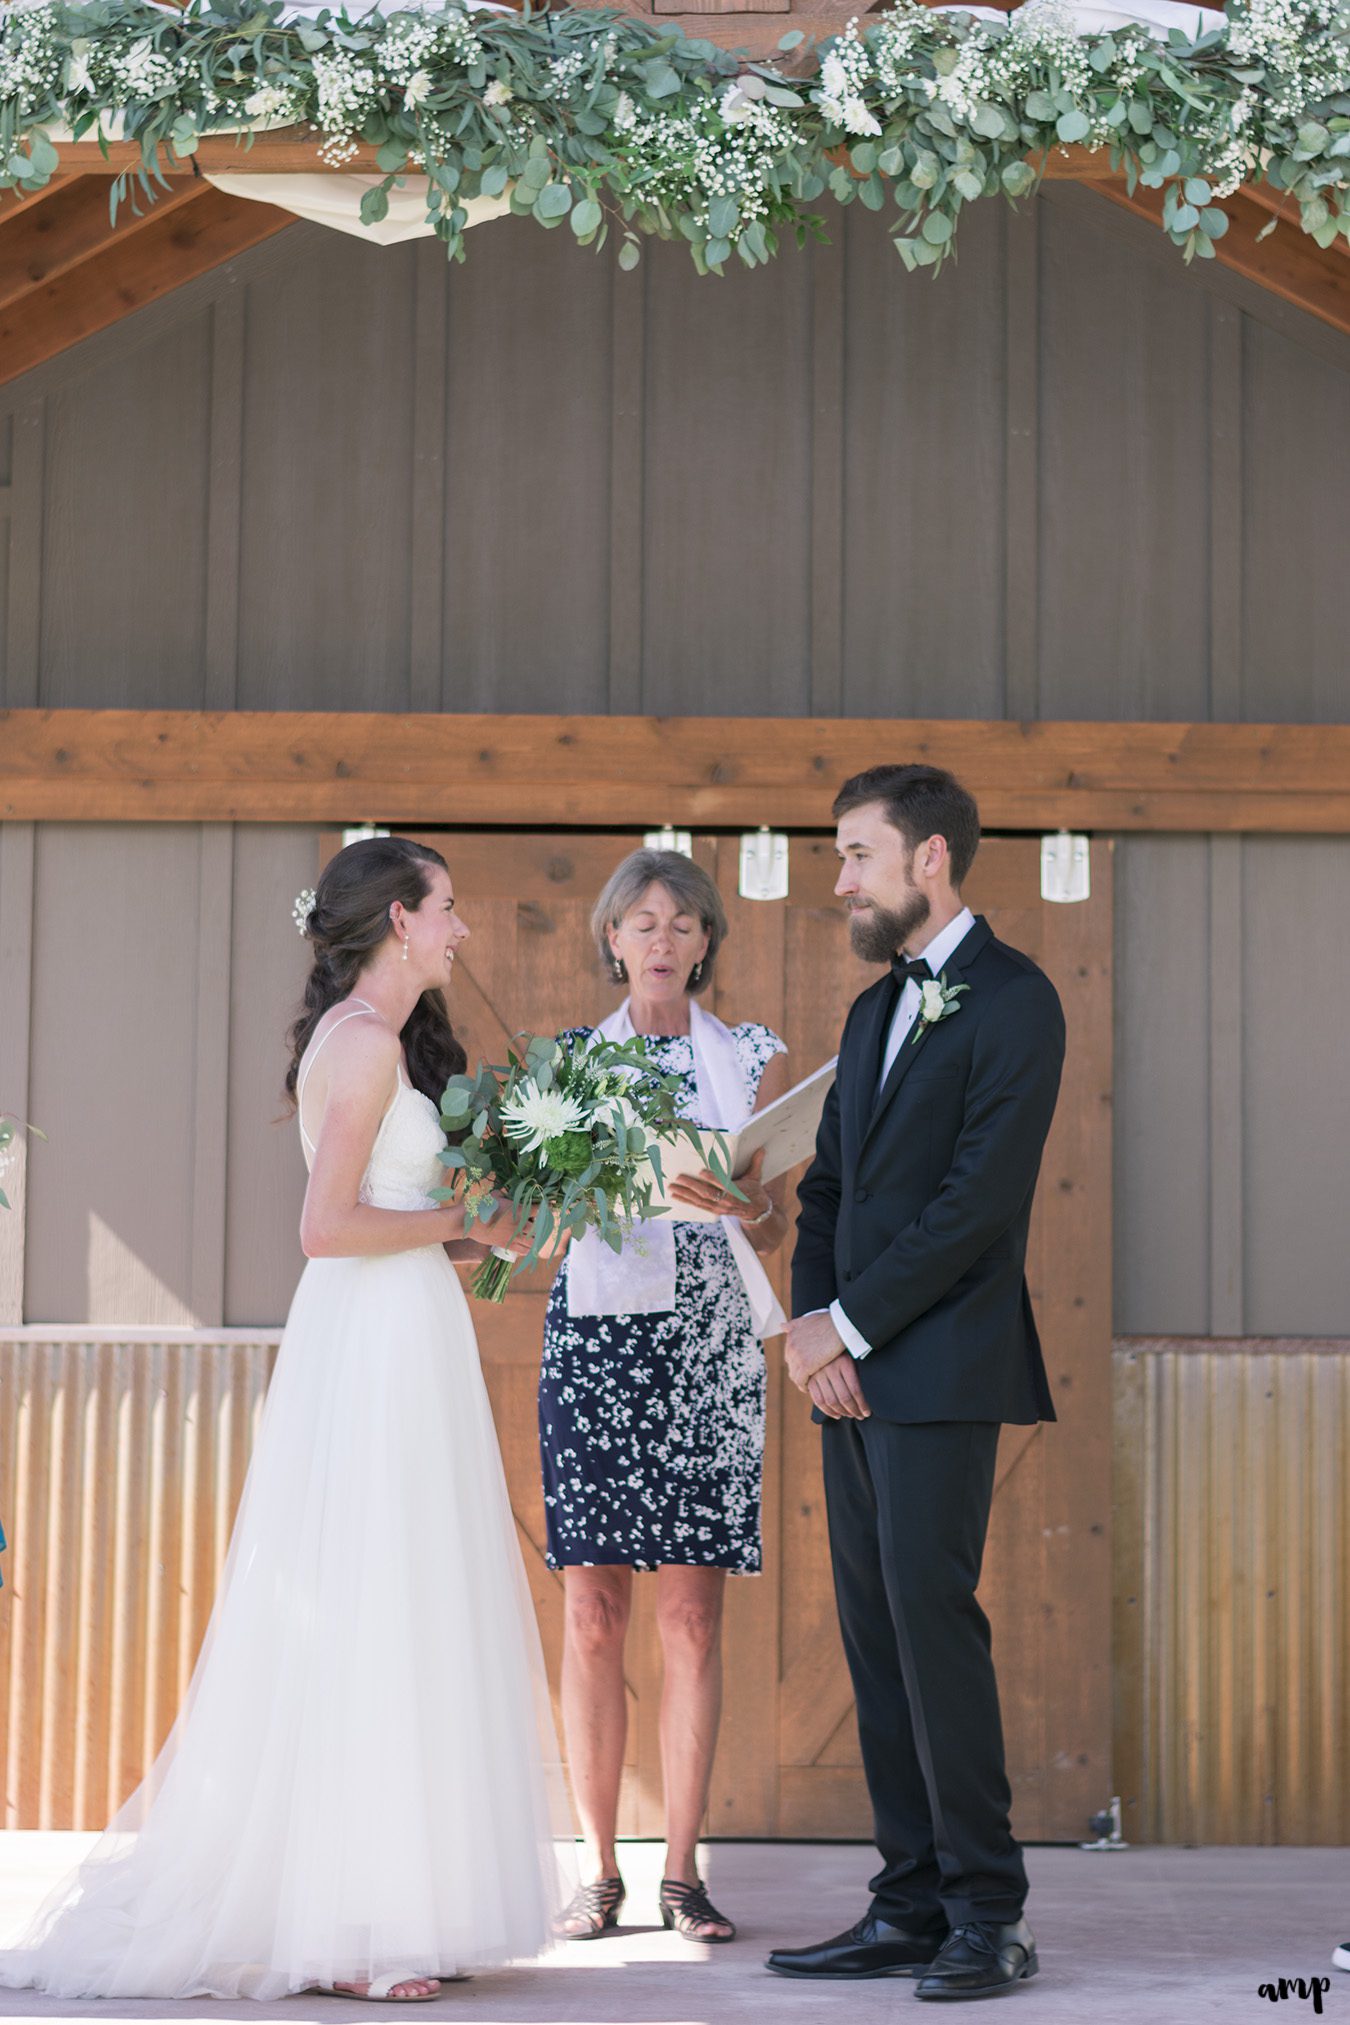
[(599, 1903), (687, 1907)]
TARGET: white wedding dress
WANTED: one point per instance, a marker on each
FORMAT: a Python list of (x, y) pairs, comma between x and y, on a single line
[(363, 1780)]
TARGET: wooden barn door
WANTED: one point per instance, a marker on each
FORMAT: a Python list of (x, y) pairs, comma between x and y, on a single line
[(788, 1761)]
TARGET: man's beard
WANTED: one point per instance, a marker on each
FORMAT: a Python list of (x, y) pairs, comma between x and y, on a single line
[(876, 933)]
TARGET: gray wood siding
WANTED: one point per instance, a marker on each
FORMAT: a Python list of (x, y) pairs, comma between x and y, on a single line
[(1069, 478), (164, 969), (1232, 1161)]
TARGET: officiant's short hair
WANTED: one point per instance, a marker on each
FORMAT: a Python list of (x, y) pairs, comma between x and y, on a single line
[(920, 802), (693, 890)]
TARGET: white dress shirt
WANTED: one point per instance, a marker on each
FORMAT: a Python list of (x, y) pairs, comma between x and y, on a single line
[(939, 951)]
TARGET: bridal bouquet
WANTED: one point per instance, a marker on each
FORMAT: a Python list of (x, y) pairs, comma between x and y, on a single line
[(570, 1134)]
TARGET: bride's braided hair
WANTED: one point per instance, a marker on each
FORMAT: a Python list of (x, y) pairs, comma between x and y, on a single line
[(346, 925)]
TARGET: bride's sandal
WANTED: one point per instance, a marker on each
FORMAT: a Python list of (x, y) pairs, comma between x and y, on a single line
[(598, 1904), (687, 1907), (381, 1990)]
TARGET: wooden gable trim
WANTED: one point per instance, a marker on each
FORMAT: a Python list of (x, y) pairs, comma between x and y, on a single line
[(39, 242), (1287, 263), (343, 767), (64, 276)]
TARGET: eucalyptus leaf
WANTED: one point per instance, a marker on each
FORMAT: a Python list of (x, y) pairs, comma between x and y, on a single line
[(723, 217), (660, 80)]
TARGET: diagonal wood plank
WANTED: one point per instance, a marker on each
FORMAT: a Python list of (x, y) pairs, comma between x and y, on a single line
[(170, 246), (1288, 263), (41, 242), (1013, 1445)]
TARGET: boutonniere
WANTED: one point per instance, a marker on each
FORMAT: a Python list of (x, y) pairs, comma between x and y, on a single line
[(938, 1000)]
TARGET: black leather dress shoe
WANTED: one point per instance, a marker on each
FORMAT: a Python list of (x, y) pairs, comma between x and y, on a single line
[(872, 1948), (981, 1960)]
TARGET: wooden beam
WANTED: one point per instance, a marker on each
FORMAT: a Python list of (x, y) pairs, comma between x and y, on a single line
[(40, 243), (286, 150), (170, 246), (280, 766), (1288, 263)]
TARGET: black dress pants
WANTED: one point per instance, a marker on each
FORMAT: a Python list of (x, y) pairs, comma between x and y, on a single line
[(908, 1512)]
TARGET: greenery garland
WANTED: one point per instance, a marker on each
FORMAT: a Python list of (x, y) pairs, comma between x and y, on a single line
[(608, 123)]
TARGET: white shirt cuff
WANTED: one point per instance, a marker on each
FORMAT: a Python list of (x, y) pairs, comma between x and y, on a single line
[(851, 1338)]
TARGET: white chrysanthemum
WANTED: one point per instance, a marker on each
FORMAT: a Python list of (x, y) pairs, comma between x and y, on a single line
[(534, 1116), (856, 118), (417, 88), (498, 93)]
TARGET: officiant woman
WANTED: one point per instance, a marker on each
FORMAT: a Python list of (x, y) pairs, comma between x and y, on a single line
[(651, 1398)]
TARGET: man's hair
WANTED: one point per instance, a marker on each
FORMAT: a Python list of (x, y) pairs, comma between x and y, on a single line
[(920, 802)]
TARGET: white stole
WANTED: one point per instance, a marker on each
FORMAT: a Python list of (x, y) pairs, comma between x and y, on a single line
[(640, 1280)]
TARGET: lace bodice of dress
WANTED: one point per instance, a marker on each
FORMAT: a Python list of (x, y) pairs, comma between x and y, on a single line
[(404, 1164), (404, 1161)]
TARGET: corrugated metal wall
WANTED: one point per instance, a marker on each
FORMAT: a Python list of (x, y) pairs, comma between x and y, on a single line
[(122, 1457), (1233, 1591)]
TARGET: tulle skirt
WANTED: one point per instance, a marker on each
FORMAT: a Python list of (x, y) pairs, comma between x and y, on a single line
[(363, 1779)]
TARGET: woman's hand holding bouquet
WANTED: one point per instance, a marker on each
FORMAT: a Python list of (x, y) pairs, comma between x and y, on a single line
[(569, 1135)]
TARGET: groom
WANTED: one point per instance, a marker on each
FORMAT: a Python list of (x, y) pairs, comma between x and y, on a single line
[(914, 1339)]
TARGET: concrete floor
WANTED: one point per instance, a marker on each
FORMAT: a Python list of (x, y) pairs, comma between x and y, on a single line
[(1164, 1935)]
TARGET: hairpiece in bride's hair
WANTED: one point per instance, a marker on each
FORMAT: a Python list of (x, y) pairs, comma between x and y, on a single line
[(301, 909)]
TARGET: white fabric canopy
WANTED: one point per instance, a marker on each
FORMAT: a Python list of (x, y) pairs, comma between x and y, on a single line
[(336, 200)]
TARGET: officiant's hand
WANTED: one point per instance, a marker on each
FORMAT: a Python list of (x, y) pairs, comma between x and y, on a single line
[(704, 1191), (812, 1341)]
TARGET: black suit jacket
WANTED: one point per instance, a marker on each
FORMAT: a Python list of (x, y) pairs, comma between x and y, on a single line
[(915, 1210)]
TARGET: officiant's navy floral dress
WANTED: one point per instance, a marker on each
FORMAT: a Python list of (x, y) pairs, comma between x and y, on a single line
[(651, 1427)]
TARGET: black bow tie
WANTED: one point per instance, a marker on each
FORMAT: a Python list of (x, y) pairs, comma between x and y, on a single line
[(903, 968)]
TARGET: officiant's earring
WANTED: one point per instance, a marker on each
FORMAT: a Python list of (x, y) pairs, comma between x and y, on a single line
[(620, 973), (696, 974)]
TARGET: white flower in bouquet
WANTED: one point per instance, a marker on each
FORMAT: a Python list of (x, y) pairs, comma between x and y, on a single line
[(533, 1116)]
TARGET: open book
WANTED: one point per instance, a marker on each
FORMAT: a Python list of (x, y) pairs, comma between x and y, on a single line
[(786, 1129)]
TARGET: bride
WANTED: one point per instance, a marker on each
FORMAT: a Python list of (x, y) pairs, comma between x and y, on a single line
[(359, 1794)]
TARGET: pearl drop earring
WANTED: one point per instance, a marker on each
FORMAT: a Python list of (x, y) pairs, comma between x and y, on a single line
[(405, 949)]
